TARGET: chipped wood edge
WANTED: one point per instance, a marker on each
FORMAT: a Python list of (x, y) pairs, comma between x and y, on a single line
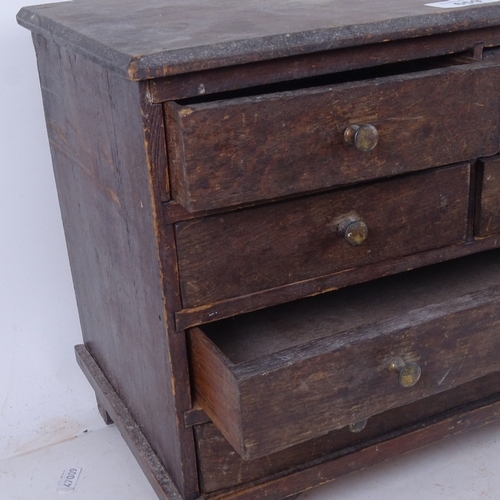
[(190, 317)]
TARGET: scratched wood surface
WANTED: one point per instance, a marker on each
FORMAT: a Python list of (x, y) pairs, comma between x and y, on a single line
[(289, 364), (371, 452), (223, 79), (238, 253), (179, 36), (101, 159), (222, 468), (233, 151), (108, 139)]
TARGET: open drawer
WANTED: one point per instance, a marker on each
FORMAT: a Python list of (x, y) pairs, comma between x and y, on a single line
[(281, 376), (233, 151)]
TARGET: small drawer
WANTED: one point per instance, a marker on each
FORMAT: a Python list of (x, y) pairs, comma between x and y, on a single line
[(488, 213), (281, 376), (245, 150), (242, 252)]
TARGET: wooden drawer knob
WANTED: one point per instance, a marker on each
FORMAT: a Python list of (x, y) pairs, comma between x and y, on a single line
[(354, 230), (409, 373), (358, 426), (362, 137)]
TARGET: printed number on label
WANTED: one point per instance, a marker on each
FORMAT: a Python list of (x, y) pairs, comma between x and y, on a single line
[(68, 479)]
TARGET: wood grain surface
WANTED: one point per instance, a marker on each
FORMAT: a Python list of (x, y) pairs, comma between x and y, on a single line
[(178, 213), (489, 203), (178, 36), (235, 151), (224, 79), (222, 468), (102, 164), (279, 377), (227, 255)]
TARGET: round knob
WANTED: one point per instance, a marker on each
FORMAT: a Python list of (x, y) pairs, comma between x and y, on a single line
[(356, 233), (409, 373), (353, 229), (362, 137), (358, 426)]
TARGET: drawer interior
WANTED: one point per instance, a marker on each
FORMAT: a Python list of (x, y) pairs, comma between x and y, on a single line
[(322, 363), (354, 75)]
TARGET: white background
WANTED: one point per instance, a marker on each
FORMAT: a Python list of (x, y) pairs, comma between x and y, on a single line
[(44, 397)]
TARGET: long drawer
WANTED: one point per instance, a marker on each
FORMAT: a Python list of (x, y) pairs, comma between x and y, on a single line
[(243, 252), (285, 375), (221, 467), (241, 150)]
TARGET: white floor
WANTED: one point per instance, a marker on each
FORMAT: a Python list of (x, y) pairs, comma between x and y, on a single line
[(465, 467)]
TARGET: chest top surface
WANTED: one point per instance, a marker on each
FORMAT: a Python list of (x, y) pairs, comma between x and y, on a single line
[(154, 38)]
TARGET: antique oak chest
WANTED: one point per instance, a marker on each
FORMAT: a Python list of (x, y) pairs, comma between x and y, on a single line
[(282, 220)]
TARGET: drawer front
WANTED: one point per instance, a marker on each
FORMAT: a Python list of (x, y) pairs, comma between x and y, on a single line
[(271, 380), (244, 150), (243, 252), (488, 220), (221, 468)]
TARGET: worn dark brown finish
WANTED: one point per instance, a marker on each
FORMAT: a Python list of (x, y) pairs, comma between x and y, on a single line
[(114, 407), (302, 66), (219, 310), (492, 55), (195, 416), (224, 33), (97, 139), (145, 267), (404, 216), (372, 452), (337, 348), (156, 147), (296, 138), (222, 468), (489, 203)]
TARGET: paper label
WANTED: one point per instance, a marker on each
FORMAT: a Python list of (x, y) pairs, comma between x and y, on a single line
[(68, 479), (453, 4)]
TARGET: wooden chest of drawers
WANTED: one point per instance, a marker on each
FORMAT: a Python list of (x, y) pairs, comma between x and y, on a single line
[(283, 223)]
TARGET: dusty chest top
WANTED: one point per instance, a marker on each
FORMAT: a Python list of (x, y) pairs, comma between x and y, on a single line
[(153, 38)]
